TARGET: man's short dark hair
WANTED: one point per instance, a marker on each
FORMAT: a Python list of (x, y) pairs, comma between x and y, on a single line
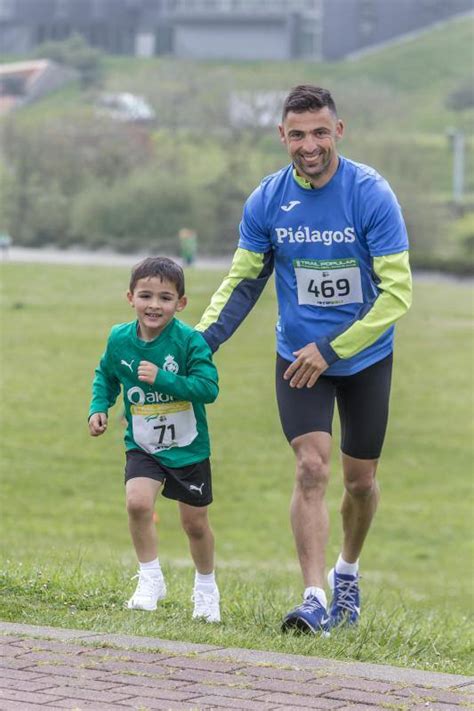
[(160, 267), (307, 97)]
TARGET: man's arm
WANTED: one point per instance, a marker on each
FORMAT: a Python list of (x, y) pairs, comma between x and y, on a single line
[(393, 301), (372, 320), (236, 296)]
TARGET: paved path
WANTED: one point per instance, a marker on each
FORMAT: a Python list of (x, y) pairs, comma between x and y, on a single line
[(98, 258), (51, 668), (50, 255)]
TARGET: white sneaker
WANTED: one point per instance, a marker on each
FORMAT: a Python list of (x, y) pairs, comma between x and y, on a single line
[(206, 605), (150, 589)]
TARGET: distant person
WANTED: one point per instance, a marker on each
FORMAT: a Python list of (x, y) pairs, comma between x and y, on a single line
[(5, 244), (334, 232), (165, 369), (188, 246)]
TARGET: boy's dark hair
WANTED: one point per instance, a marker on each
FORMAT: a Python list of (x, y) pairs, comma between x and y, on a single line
[(160, 267), (307, 97)]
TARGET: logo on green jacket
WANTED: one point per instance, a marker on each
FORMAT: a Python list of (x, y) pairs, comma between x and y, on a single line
[(170, 364)]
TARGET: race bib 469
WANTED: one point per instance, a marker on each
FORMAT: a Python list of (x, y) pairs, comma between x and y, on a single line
[(328, 282)]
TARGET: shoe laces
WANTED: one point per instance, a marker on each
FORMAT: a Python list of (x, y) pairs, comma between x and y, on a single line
[(347, 593), (204, 600), (311, 604), (146, 583)]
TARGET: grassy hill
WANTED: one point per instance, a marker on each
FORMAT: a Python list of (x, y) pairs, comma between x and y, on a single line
[(395, 103), (407, 82), (422, 72), (398, 93)]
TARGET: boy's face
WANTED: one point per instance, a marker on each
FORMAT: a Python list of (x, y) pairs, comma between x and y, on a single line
[(155, 302)]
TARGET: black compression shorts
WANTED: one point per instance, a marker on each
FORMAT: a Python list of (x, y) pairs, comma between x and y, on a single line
[(362, 402)]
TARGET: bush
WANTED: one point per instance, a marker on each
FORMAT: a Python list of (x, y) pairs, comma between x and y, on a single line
[(50, 163), (144, 211), (462, 97), (33, 215), (464, 233), (76, 53)]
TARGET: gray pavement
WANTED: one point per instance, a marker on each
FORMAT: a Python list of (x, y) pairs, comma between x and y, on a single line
[(104, 257), (51, 668)]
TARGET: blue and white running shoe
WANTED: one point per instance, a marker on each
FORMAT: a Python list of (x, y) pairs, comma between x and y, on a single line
[(345, 604), (310, 617)]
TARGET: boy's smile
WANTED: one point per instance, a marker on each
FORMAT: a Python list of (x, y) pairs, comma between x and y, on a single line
[(155, 301)]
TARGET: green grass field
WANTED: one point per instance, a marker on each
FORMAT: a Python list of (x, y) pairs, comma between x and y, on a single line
[(66, 555)]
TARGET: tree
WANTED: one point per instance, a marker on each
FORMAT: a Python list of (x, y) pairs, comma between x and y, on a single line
[(76, 53)]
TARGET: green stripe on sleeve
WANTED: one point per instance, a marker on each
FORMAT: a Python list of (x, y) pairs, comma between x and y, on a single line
[(394, 300), (245, 265)]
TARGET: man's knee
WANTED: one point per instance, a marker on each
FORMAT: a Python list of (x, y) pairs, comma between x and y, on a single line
[(312, 471), (362, 484)]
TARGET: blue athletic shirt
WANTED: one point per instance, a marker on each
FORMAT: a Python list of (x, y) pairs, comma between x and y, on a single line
[(323, 241)]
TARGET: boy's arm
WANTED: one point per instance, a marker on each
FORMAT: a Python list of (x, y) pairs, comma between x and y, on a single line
[(199, 385), (105, 386), (97, 423)]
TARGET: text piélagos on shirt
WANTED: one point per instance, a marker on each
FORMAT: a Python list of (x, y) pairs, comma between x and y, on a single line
[(306, 234)]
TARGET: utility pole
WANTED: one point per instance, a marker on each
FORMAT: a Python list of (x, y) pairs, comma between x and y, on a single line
[(457, 140)]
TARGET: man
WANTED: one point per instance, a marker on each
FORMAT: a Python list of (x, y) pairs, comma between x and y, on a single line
[(334, 232)]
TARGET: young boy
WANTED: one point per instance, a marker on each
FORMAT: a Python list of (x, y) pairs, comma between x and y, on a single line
[(167, 374)]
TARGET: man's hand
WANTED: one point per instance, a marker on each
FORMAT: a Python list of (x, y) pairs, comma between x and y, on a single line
[(307, 367), (97, 424), (147, 372)]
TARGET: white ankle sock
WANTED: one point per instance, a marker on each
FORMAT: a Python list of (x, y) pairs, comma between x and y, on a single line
[(152, 567), (205, 581), (344, 568), (316, 592)]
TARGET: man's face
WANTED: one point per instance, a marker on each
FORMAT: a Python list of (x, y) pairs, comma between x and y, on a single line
[(310, 139)]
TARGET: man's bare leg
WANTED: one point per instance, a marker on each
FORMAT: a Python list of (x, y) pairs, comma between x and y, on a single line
[(359, 503), (308, 510)]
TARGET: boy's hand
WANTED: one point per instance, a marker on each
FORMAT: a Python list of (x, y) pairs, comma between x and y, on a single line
[(147, 372), (97, 424)]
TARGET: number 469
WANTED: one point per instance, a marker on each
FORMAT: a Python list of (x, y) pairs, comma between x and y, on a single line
[(327, 289)]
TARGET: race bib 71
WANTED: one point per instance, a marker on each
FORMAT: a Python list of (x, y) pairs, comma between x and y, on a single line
[(162, 426)]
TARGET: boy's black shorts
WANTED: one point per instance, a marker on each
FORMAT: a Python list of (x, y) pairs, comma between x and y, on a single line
[(191, 484), (362, 401)]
